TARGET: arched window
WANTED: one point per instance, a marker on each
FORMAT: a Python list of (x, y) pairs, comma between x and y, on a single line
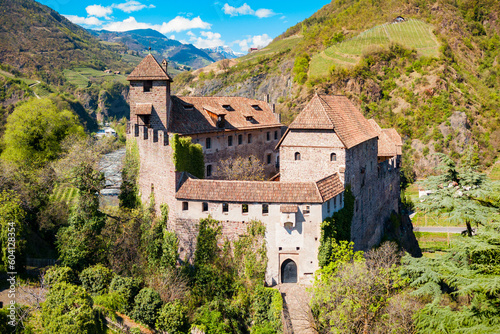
[(297, 156), (333, 157)]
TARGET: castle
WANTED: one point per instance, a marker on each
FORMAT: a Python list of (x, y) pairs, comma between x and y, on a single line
[(328, 146)]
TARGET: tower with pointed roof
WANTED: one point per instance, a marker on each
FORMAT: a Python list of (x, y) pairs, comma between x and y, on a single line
[(150, 99)]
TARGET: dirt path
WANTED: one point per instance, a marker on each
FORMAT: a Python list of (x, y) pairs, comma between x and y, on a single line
[(296, 301)]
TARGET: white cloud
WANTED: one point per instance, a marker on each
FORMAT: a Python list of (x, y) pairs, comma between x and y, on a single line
[(98, 11), (234, 11), (177, 24), (263, 12), (180, 23), (172, 37), (257, 41), (131, 6), (211, 40), (247, 10), (89, 21), (190, 33)]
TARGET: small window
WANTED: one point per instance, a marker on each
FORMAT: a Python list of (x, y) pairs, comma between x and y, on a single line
[(333, 157), (268, 136), (269, 157), (328, 206), (185, 206), (307, 210), (275, 135), (208, 143), (225, 207), (297, 156), (335, 202), (244, 208), (227, 107), (249, 138), (147, 85), (256, 107), (240, 139), (230, 141), (265, 209), (249, 118), (204, 206), (209, 170)]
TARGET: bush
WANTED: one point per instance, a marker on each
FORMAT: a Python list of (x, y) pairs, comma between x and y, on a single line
[(172, 318), (126, 287), (112, 301), (267, 305), (68, 309), (59, 274), (146, 306), (96, 279)]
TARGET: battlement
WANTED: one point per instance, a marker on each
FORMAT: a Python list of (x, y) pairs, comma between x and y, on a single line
[(145, 133)]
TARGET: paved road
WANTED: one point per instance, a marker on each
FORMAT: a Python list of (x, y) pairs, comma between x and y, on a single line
[(437, 229)]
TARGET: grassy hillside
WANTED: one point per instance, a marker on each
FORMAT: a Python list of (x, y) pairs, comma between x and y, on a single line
[(433, 77)]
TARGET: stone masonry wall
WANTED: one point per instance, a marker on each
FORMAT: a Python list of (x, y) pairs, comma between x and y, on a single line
[(315, 148), (158, 97)]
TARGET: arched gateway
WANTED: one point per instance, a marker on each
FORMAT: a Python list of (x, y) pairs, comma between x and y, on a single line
[(288, 272)]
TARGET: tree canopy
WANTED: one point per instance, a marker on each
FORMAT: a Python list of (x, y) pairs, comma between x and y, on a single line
[(35, 131)]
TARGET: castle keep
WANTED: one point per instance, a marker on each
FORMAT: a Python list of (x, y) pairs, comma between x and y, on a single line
[(328, 146)]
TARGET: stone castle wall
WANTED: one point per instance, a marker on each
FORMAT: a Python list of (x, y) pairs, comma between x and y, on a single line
[(158, 97)]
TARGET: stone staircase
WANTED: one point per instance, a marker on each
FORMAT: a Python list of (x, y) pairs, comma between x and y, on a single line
[(297, 317)]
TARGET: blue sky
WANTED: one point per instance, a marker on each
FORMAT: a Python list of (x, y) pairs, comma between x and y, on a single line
[(237, 24)]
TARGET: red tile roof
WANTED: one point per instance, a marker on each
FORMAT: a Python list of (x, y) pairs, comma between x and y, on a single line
[(389, 141), (338, 113), (149, 69), (289, 208), (190, 115), (143, 108), (260, 192)]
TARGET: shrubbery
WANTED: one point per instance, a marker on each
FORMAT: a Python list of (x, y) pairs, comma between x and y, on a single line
[(146, 306), (172, 318), (126, 287), (59, 274), (96, 279)]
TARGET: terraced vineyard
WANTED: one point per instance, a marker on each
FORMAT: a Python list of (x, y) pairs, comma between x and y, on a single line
[(65, 193), (81, 76), (413, 34)]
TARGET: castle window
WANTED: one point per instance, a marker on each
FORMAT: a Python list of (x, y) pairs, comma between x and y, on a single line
[(204, 207), (227, 107), (328, 206), (147, 85), (244, 208), (335, 202), (307, 210), (269, 159), (268, 136), (333, 157), (297, 156), (256, 107), (229, 140), (249, 138), (240, 139), (209, 170), (208, 143), (185, 206), (275, 135), (225, 207), (265, 209)]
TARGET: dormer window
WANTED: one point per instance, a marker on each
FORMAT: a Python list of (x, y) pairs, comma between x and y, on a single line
[(147, 85), (256, 107), (249, 118), (227, 107), (188, 107), (220, 121)]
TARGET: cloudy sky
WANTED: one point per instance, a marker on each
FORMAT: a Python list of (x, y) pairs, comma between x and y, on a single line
[(237, 24)]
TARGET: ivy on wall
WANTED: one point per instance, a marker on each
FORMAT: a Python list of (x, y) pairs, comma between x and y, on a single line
[(188, 157), (336, 228)]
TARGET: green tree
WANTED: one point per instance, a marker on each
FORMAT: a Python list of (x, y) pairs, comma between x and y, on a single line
[(461, 195), (172, 318), (35, 131), (68, 309), (12, 231), (96, 279), (146, 306)]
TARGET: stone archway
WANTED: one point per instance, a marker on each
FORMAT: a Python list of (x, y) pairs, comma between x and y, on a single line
[(288, 272)]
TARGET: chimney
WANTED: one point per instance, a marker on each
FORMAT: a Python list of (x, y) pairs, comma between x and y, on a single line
[(164, 65)]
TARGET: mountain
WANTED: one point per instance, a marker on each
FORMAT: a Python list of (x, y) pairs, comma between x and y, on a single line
[(40, 42), (174, 51), (433, 76), (222, 52)]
